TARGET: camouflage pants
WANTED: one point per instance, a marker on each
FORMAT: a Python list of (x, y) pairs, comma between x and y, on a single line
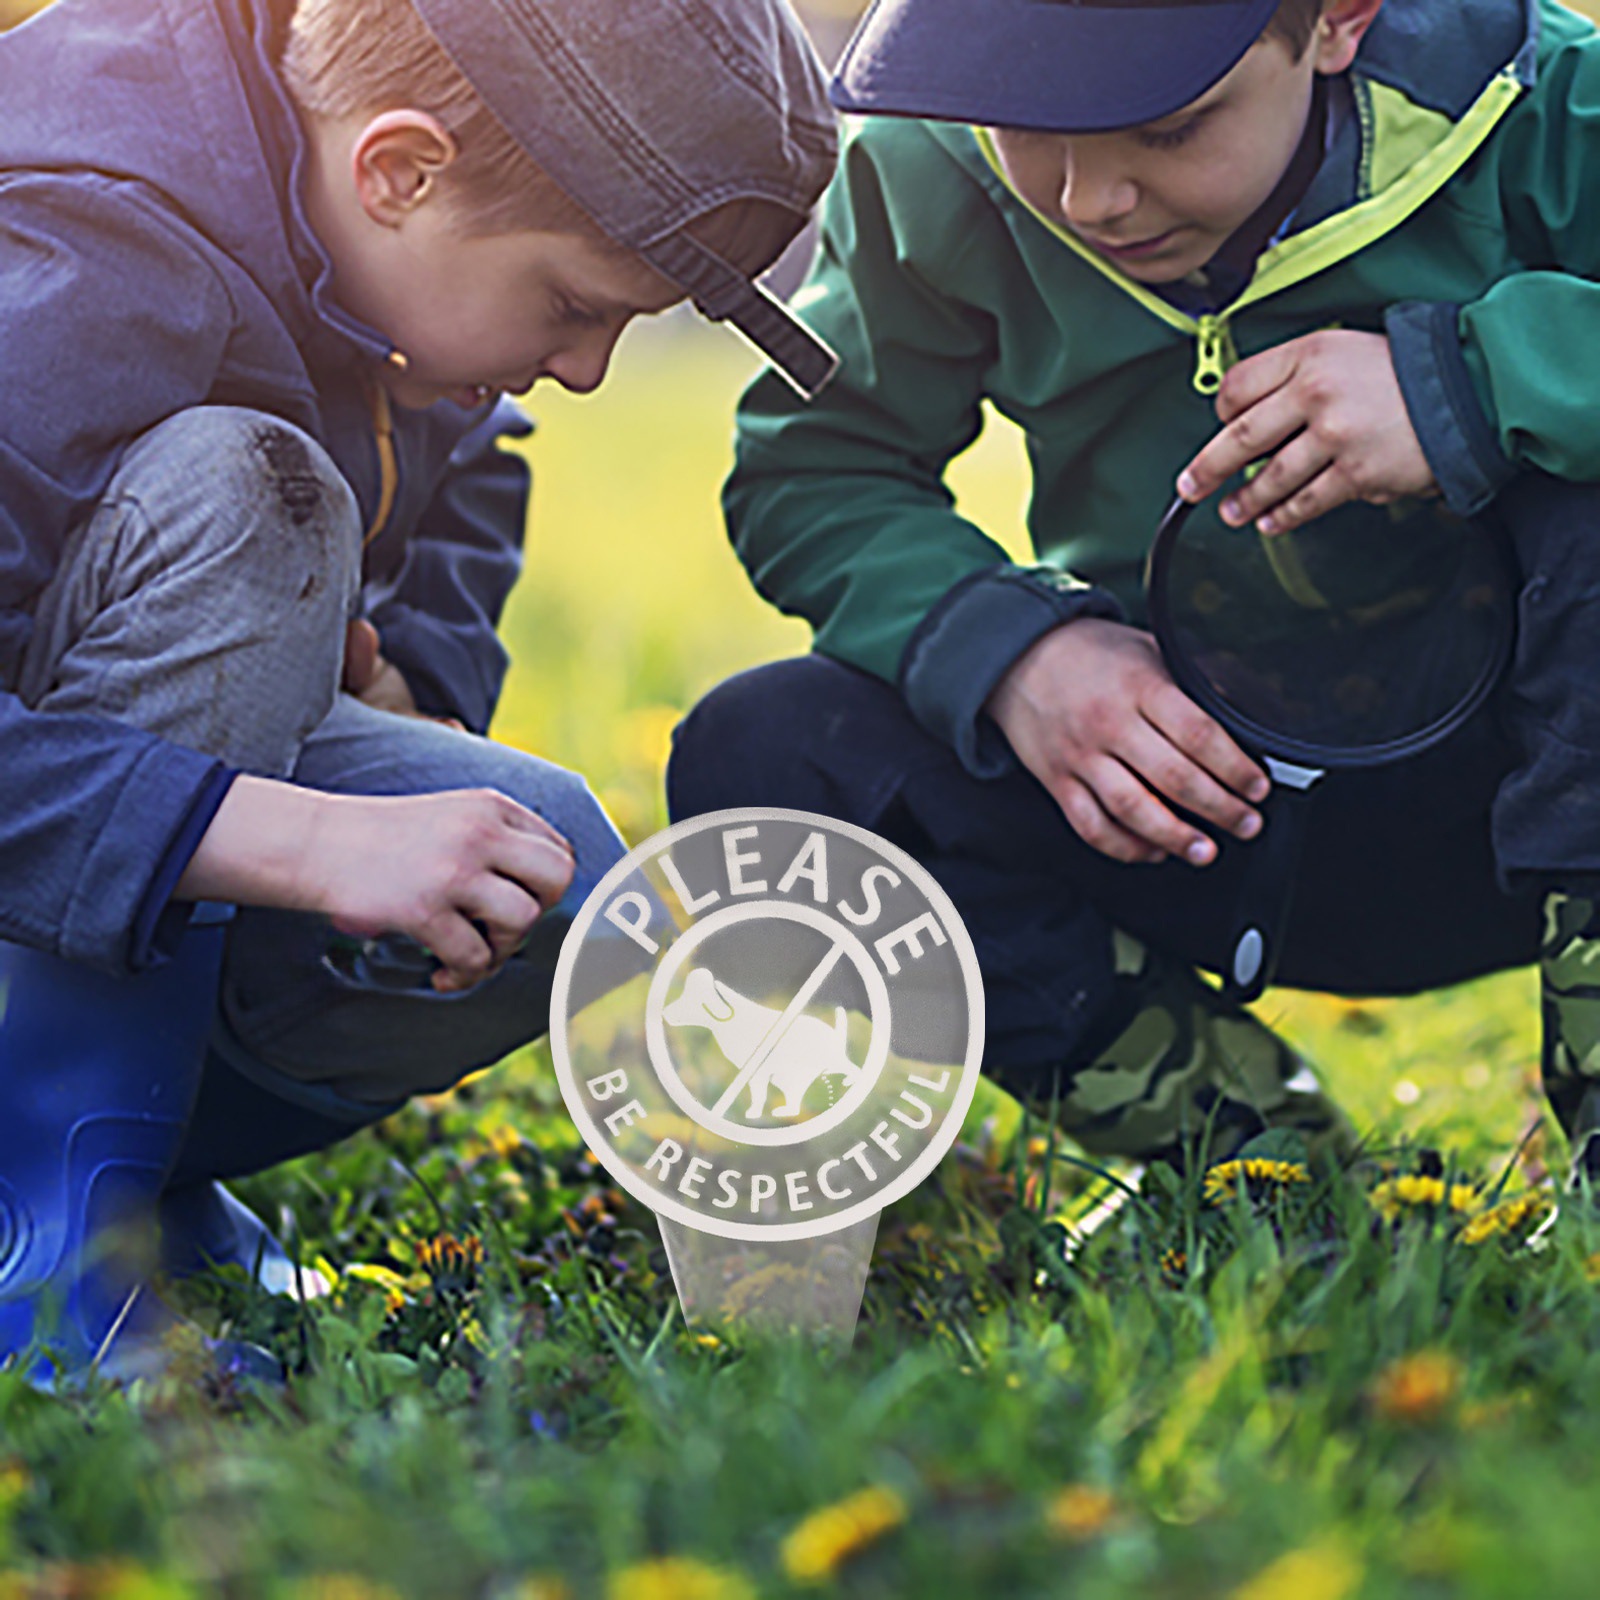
[(1186, 1072), (1569, 985)]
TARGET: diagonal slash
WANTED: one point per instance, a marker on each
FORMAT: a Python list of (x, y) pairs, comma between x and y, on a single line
[(771, 1039)]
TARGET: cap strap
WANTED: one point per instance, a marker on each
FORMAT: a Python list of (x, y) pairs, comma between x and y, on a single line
[(725, 294)]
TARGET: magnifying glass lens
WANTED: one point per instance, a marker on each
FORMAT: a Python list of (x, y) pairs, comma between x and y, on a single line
[(1345, 641)]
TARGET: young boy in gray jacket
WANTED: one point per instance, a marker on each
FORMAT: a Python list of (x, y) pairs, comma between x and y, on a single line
[(266, 273)]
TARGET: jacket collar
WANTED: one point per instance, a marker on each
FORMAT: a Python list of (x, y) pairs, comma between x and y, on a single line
[(1393, 156), (257, 31)]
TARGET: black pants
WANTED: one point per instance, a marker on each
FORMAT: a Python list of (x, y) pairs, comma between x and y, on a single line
[(1396, 893)]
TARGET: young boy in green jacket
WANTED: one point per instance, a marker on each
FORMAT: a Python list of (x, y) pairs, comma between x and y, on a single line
[(1354, 235)]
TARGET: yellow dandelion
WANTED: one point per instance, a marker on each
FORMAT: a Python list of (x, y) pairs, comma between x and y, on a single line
[(1079, 1512), (678, 1578), (1507, 1217), (340, 1586), (444, 1255), (1591, 1267), (1413, 1192), (1417, 1388), (1325, 1571), (1259, 1173), (504, 1141), (393, 1285), (818, 1546), (1174, 1267), (708, 1341), (500, 1140), (595, 1211)]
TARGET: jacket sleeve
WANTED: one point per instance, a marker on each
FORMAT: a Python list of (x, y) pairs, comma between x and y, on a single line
[(1508, 380), (438, 619), (110, 321), (838, 507)]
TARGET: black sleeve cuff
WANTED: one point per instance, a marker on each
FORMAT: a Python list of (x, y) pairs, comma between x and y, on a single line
[(972, 638), (1451, 425), (161, 920)]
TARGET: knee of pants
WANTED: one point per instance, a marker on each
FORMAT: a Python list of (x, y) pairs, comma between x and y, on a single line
[(565, 800), (228, 487), (360, 750), (749, 741), (562, 798)]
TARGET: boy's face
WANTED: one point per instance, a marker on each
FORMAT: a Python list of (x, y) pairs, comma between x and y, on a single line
[(1159, 200), (479, 315), (473, 314)]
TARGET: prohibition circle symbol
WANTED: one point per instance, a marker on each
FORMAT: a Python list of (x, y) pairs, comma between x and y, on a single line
[(845, 943)]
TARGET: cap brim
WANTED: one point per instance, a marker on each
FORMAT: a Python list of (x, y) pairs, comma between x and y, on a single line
[(1051, 65)]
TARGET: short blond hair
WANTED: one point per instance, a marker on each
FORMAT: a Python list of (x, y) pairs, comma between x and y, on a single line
[(361, 57), (348, 58)]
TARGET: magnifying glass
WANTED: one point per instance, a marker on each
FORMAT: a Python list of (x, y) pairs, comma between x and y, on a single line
[(1362, 638)]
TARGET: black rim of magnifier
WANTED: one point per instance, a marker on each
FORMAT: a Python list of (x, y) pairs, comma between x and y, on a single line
[(1274, 743)]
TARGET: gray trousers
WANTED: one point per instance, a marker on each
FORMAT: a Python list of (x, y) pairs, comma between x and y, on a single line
[(206, 601)]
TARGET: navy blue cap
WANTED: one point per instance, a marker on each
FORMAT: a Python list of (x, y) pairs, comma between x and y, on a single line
[(1062, 66)]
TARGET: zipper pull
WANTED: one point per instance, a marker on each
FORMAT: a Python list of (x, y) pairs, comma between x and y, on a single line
[(1214, 353)]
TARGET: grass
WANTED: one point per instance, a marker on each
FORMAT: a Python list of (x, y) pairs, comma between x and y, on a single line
[(1282, 1394)]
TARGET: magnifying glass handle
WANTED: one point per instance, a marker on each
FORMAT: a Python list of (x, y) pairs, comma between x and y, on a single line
[(1269, 879)]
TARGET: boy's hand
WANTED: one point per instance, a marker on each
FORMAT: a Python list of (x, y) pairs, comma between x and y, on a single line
[(1091, 712), (375, 681), (465, 873), (1328, 407)]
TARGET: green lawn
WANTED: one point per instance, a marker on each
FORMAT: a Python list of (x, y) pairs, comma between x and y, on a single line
[(1283, 1395)]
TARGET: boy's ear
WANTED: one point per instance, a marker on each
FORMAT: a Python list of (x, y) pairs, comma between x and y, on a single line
[(1339, 32), (397, 160)]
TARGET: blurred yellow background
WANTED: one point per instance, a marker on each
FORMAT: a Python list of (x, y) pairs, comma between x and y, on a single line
[(632, 603)]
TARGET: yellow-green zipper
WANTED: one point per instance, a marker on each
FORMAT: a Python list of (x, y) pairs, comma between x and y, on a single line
[(1302, 255)]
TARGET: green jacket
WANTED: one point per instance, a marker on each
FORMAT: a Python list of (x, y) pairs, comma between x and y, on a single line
[(1459, 211)]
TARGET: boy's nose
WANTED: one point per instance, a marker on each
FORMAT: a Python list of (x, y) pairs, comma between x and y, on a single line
[(581, 368), (1095, 192)]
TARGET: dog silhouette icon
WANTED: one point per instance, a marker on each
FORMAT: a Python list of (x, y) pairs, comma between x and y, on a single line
[(808, 1050)]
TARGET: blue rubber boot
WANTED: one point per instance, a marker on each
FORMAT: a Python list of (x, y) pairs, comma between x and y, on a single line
[(98, 1075)]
